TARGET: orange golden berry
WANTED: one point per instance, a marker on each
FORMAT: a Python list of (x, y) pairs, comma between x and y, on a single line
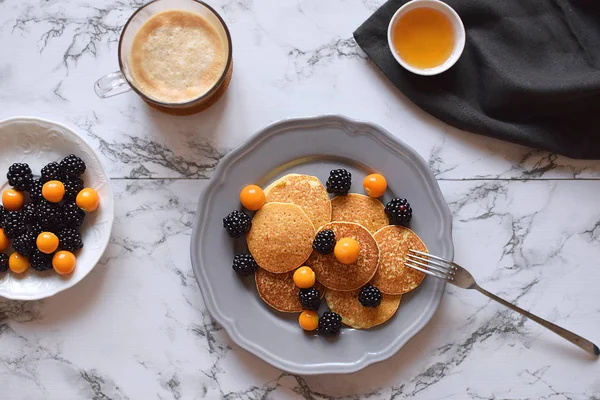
[(308, 320), (88, 200), (64, 262), (47, 242), (375, 185), (346, 250), (53, 191), (304, 277), (18, 263), (252, 197), (4, 242), (12, 199)]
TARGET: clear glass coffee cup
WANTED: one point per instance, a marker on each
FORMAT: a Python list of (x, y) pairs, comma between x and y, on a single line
[(122, 81)]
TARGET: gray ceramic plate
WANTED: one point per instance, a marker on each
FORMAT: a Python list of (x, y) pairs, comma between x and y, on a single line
[(314, 146)]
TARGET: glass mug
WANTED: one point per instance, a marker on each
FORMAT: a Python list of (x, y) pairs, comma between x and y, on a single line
[(122, 81)]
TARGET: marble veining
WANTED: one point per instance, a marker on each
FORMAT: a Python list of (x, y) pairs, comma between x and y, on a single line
[(526, 222)]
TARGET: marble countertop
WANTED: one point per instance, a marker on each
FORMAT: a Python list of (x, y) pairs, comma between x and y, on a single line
[(526, 223)]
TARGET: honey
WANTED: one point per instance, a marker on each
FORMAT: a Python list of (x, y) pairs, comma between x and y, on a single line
[(423, 38)]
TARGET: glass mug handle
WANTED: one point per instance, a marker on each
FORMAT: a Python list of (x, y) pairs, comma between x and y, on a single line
[(111, 85)]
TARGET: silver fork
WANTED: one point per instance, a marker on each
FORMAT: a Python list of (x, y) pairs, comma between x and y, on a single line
[(455, 274)]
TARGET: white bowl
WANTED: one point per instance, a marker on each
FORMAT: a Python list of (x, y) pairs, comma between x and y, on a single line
[(39, 142), (459, 35)]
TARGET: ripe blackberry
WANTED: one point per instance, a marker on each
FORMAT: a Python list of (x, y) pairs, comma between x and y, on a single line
[(13, 224), (24, 244), (49, 214), (30, 214), (339, 182), (398, 211), (72, 166), (369, 296), (72, 215), (330, 323), (237, 223), (72, 187), (324, 242), (244, 264), (3, 262), (2, 214), (19, 176), (69, 239), (40, 261), (35, 228), (35, 191), (310, 298), (52, 172)]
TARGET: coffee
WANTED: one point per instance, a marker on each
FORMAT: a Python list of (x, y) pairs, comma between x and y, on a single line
[(177, 56)]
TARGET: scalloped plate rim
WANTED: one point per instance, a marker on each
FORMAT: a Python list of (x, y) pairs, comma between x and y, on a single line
[(218, 178)]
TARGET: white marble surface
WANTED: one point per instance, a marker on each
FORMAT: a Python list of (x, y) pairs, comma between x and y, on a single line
[(527, 223)]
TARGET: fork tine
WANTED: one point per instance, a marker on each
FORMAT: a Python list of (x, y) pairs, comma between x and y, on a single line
[(429, 255), (442, 271), (429, 272), (430, 263)]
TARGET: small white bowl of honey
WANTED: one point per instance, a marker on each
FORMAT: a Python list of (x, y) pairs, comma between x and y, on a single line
[(426, 36)]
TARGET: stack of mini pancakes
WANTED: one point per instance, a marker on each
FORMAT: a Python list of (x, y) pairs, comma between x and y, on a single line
[(280, 240)]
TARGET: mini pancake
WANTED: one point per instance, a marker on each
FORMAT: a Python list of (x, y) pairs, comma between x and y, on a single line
[(361, 209), (393, 277), (281, 237), (279, 290), (335, 275), (305, 191), (355, 315)]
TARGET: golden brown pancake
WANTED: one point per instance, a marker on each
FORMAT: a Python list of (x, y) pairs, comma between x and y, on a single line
[(393, 277), (281, 237), (361, 209), (305, 191), (279, 290), (335, 275), (355, 315)]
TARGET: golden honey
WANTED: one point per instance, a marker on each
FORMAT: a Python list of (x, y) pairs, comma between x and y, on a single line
[(423, 37)]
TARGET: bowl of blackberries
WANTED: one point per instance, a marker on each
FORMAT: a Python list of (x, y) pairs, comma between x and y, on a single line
[(56, 210)]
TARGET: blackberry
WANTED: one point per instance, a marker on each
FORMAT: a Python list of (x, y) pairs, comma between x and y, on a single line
[(19, 176), (52, 172), (244, 264), (29, 212), (339, 182), (35, 191), (398, 211), (72, 187), (3, 262), (25, 244), (369, 296), (35, 228), (324, 242), (237, 223), (310, 299), (72, 166), (72, 215), (330, 323), (69, 239), (13, 224), (40, 261), (2, 214), (49, 214)]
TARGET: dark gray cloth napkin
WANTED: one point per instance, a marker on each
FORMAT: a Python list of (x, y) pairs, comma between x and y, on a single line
[(530, 72)]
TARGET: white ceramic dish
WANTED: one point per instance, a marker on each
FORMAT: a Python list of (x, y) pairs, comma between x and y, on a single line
[(459, 35), (38, 142), (314, 146)]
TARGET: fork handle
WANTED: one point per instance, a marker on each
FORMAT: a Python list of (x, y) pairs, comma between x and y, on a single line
[(570, 336)]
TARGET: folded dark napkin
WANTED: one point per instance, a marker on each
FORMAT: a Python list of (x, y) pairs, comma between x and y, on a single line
[(529, 74)]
